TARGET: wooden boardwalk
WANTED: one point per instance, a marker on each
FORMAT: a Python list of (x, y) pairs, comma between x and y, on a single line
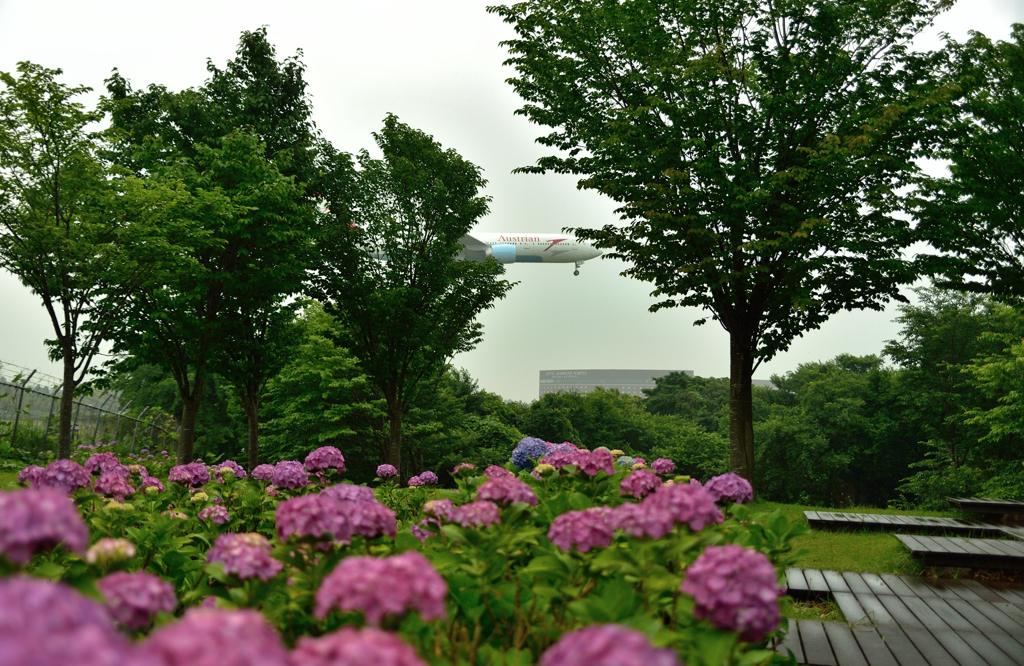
[(971, 553), (916, 524), (907, 621), (987, 505)]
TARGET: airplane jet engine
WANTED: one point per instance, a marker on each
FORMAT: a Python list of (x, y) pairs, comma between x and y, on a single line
[(505, 254)]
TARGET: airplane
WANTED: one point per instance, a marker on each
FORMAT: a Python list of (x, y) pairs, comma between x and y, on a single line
[(528, 248)]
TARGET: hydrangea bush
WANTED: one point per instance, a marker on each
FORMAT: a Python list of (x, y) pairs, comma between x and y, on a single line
[(562, 557)]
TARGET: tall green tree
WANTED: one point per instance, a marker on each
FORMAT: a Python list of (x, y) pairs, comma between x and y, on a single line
[(756, 148), (387, 269), (245, 143), (975, 215), (75, 232)]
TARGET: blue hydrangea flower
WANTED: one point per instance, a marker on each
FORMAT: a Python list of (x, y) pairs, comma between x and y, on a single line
[(625, 461), (527, 451)]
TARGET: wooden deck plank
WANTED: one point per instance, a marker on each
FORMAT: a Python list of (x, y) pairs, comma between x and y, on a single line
[(795, 580), (898, 587), (927, 643), (1005, 621), (967, 648), (961, 590), (817, 649), (835, 581), (812, 516), (912, 544), (815, 581), (920, 588), (792, 643), (979, 590), (921, 648), (994, 632), (1012, 610), (856, 583), (844, 645), (875, 583), (851, 609), (875, 650), (987, 505)]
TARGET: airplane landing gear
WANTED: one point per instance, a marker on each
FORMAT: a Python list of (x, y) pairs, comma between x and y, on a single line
[(577, 271)]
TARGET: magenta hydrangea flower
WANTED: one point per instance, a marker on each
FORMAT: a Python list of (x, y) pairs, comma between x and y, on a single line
[(113, 485), (370, 519), (439, 507), (462, 466), (325, 458), (735, 588), (134, 598), (379, 586), (476, 514), (99, 462), (245, 555), (65, 475), (217, 637), (730, 487), (218, 514), (228, 464), (313, 517), (30, 475), (192, 475), (607, 645), (493, 471), (32, 521), (289, 474), (386, 471), (590, 528), (639, 483), (688, 504), (560, 458), (355, 647), (506, 490), (645, 519), (428, 477), (663, 466), (346, 492), (416, 481), (263, 472), (152, 482), (598, 460), (422, 534)]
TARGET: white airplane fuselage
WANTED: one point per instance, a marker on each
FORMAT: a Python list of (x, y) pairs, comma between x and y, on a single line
[(527, 248)]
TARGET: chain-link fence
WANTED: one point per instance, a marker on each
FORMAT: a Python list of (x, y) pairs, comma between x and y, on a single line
[(30, 406)]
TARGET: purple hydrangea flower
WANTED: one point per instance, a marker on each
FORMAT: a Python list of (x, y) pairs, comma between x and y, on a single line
[(134, 598), (245, 555), (564, 447), (416, 481), (65, 475), (476, 514), (370, 519), (192, 475), (493, 471), (730, 487), (439, 507), (355, 647), (290, 474), (216, 637), (427, 476), (324, 458), (228, 464), (30, 475), (462, 466), (506, 490), (32, 521), (735, 588), (596, 461), (422, 534), (346, 492), (645, 519), (639, 483), (99, 462), (263, 472), (380, 586), (152, 482), (528, 450), (113, 485), (590, 528), (313, 517), (385, 471), (607, 645), (218, 514), (663, 466), (688, 504), (561, 458)]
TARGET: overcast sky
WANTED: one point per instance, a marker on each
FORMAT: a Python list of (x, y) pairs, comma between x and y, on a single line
[(438, 66)]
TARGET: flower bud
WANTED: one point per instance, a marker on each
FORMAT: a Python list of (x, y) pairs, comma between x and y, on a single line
[(108, 551), (199, 497)]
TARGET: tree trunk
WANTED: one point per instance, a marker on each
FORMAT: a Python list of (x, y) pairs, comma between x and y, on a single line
[(395, 410), (189, 415), (67, 405), (251, 402), (741, 410)]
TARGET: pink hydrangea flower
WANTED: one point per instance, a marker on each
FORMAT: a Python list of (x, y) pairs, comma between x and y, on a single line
[(476, 514), (639, 483), (245, 555), (463, 466), (439, 507), (218, 514), (370, 519), (313, 517), (607, 645), (216, 637), (100, 462), (290, 474), (30, 475), (263, 472), (134, 598), (643, 520), (506, 490), (590, 528), (598, 460), (64, 475), (493, 471), (379, 586), (152, 482), (688, 504), (325, 458), (33, 521), (386, 471), (730, 487), (113, 485), (348, 646), (346, 492), (735, 588), (218, 470), (416, 481), (423, 534), (561, 458), (663, 466), (192, 475)]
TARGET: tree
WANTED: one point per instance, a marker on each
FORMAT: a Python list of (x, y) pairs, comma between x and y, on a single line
[(756, 149), (245, 144), (975, 217), (75, 232), (388, 273)]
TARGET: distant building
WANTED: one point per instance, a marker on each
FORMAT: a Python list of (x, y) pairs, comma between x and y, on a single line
[(630, 382)]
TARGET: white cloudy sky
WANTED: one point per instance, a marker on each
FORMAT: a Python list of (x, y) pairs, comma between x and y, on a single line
[(438, 66)]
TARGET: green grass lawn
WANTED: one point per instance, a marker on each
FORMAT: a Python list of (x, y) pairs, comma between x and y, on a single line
[(8, 480)]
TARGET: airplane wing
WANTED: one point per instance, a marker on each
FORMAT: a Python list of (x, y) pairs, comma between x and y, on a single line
[(473, 249)]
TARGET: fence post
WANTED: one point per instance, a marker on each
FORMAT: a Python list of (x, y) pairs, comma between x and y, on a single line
[(53, 400), (99, 414), (117, 428), (17, 412), (138, 420)]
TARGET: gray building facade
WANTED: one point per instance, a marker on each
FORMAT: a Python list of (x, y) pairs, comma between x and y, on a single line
[(630, 382)]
